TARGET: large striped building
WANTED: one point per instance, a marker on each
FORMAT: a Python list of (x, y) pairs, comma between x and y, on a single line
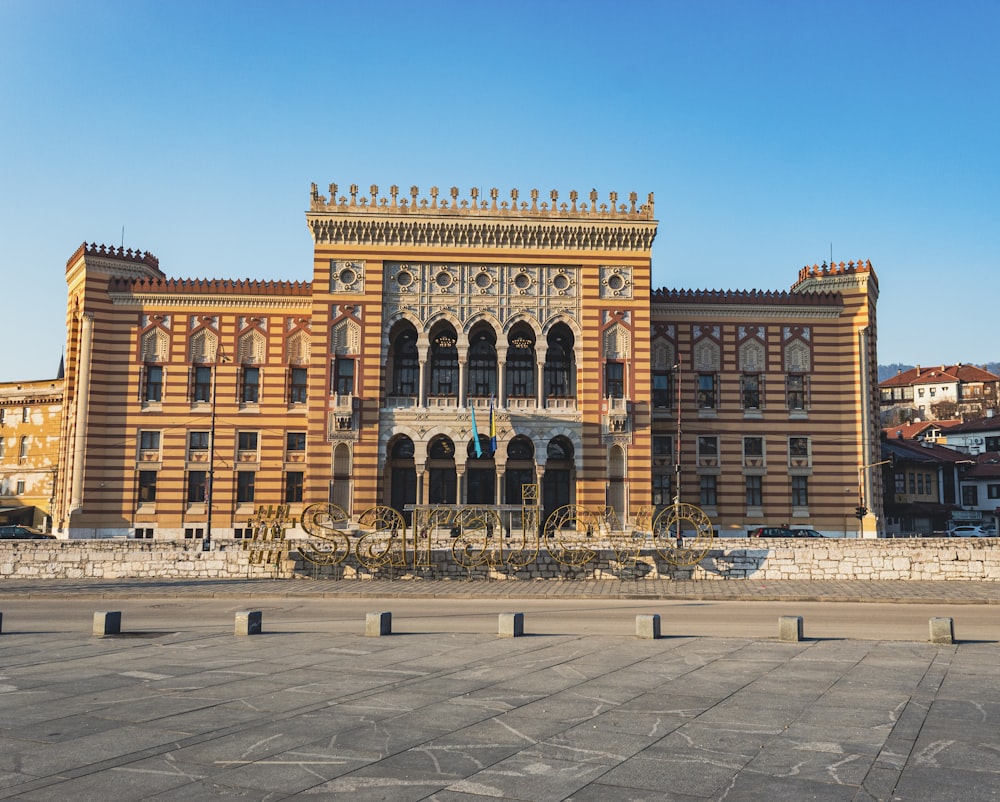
[(454, 350)]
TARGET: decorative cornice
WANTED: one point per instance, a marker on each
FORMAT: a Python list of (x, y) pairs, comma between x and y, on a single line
[(210, 292), (752, 298), (376, 220)]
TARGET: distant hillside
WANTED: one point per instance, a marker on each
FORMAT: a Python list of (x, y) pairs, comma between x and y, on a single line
[(888, 371)]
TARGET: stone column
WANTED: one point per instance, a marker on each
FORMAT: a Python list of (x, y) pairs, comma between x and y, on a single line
[(82, 410)]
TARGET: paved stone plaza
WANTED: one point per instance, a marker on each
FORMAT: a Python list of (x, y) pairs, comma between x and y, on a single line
[(178, 707)]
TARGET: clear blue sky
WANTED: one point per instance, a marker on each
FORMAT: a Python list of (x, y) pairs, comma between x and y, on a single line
[(768, 131)]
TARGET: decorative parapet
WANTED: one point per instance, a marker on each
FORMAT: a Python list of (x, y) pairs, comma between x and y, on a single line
[(848, 277), (841, 269), (201, 286), (210, 292), (754, 297), (111, 252), (475, 222), (759, 303)]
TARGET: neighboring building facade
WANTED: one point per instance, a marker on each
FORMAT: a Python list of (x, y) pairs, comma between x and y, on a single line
[(968, 389), (30, 416), (189, 403), (922, 480)]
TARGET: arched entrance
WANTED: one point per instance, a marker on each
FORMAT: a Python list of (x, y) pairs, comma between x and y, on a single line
[(441, 476), (480, 473), (402, 475), (558, 489)]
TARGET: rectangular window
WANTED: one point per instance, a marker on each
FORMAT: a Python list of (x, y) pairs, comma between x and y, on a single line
[(798, 450), (800, 491), (152, 391), (662, 494), (295, 441), (194, 533), (992, 491), (663, 389), (795, 391), (245, 481), (196, 486), (750, 391), (614, 379), (970, 496), (753, 447), (246, 441), (3, 447), (149, 440), (22, 453), (993, 443), (900, 483), (20, 487), (201, 384), (707, 491), (197, 441), (708, 446), (343, 376), (147, 486), (663, 445), (25, 414), (293, 487), (143, 533), (250, 390), (706, 391), (913, 484), (755, 490), (297, 386)]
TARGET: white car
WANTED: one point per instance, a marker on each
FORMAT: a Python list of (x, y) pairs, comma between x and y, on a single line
[(969, 531)]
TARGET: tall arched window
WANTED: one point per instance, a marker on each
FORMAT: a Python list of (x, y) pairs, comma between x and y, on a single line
[(441, 476), (520, 468), (482, 364), (521, 363), (560, 364), (405, 363), (444, 363)]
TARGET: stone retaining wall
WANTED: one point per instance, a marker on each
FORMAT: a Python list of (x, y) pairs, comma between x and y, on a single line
[(912, 559)]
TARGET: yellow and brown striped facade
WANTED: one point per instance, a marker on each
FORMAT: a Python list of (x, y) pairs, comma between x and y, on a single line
[(189, 403)]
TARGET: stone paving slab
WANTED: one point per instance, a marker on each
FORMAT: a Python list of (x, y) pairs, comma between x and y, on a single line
[(944, 591), (192, 712)]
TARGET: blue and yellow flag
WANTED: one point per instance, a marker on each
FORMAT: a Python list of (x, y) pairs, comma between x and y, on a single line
[(493, 429), (475, 434)]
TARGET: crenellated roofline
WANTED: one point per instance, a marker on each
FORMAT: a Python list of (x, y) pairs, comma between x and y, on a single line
[(201, 292), (481, 223), (111, 252)]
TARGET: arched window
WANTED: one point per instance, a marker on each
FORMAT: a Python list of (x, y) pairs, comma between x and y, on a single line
[(482, 364), (405, 363), (444, 364), (560, 364), (402, 448), (521, 363)]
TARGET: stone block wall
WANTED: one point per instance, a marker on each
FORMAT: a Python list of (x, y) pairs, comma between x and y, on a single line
[(924, 559)]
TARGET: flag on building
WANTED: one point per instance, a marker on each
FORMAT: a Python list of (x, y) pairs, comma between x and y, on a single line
[(493, 429), (475, 434)]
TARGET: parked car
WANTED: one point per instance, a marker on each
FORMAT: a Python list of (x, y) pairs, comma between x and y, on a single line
[(783, 531), (22, 533), (807, 533), (969, 530), (772, 531)]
